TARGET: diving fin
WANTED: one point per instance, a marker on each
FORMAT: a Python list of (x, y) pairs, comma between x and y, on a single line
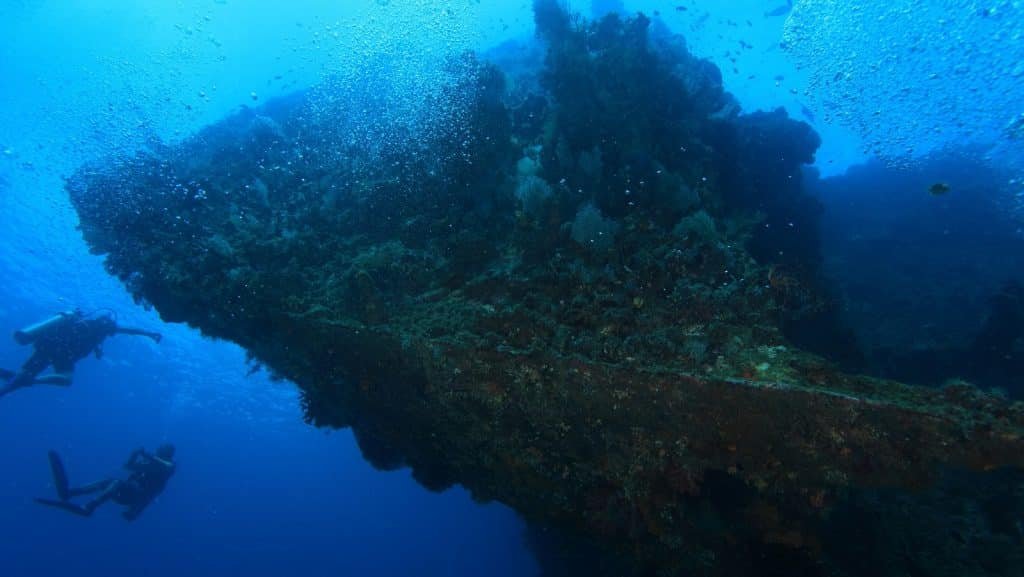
[(60, 476), (65, 505)]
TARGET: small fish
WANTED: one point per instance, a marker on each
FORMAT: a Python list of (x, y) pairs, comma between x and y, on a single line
[(807, 113), (780, 11), (939, 189), (1015, 129)]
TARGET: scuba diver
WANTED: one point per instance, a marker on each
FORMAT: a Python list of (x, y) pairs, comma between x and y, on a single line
[(60, 342), (149, 475)]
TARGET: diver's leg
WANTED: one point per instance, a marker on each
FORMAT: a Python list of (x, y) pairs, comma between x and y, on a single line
[(60, 476), (59, 379), (60, 481), (7, 375), (111, 489), (90, 488), (18, 381), (26, 376), (61, 375), (65, 505)]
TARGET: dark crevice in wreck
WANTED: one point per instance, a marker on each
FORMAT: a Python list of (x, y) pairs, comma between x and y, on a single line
[(568, 294), (931, 285)]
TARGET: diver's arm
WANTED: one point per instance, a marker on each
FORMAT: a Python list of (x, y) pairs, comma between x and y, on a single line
[(146, 462), (158, 466), (132, 512), (132, 464), (129, 331), (166, 464)]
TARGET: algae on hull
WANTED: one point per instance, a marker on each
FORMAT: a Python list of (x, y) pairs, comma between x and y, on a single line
[(639, 393)]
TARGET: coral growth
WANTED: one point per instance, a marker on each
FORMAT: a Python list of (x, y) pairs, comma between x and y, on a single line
[(640, 401), (592, 230)]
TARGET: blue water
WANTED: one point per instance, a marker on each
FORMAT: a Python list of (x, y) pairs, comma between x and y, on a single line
[(258, 492)]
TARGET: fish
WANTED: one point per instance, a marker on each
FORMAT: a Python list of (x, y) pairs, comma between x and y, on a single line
[(939, 189), (808, 113), (780, 10), (1015, 129)]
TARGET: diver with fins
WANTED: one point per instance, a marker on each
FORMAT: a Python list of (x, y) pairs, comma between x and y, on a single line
[(149, 473), (60, 342)]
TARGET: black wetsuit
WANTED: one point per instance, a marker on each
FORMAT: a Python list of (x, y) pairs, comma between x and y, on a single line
[(63, 348), (148, 478)]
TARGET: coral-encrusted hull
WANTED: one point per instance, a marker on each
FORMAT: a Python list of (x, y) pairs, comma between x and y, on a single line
[(565, 314)]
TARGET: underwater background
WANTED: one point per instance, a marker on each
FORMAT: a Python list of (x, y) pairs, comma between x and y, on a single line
[(918, 217)]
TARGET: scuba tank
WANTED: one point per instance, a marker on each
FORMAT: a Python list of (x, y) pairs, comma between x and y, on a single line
[(32, 333)]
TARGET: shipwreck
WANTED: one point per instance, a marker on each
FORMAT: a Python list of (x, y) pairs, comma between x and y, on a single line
[(568, 290)]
